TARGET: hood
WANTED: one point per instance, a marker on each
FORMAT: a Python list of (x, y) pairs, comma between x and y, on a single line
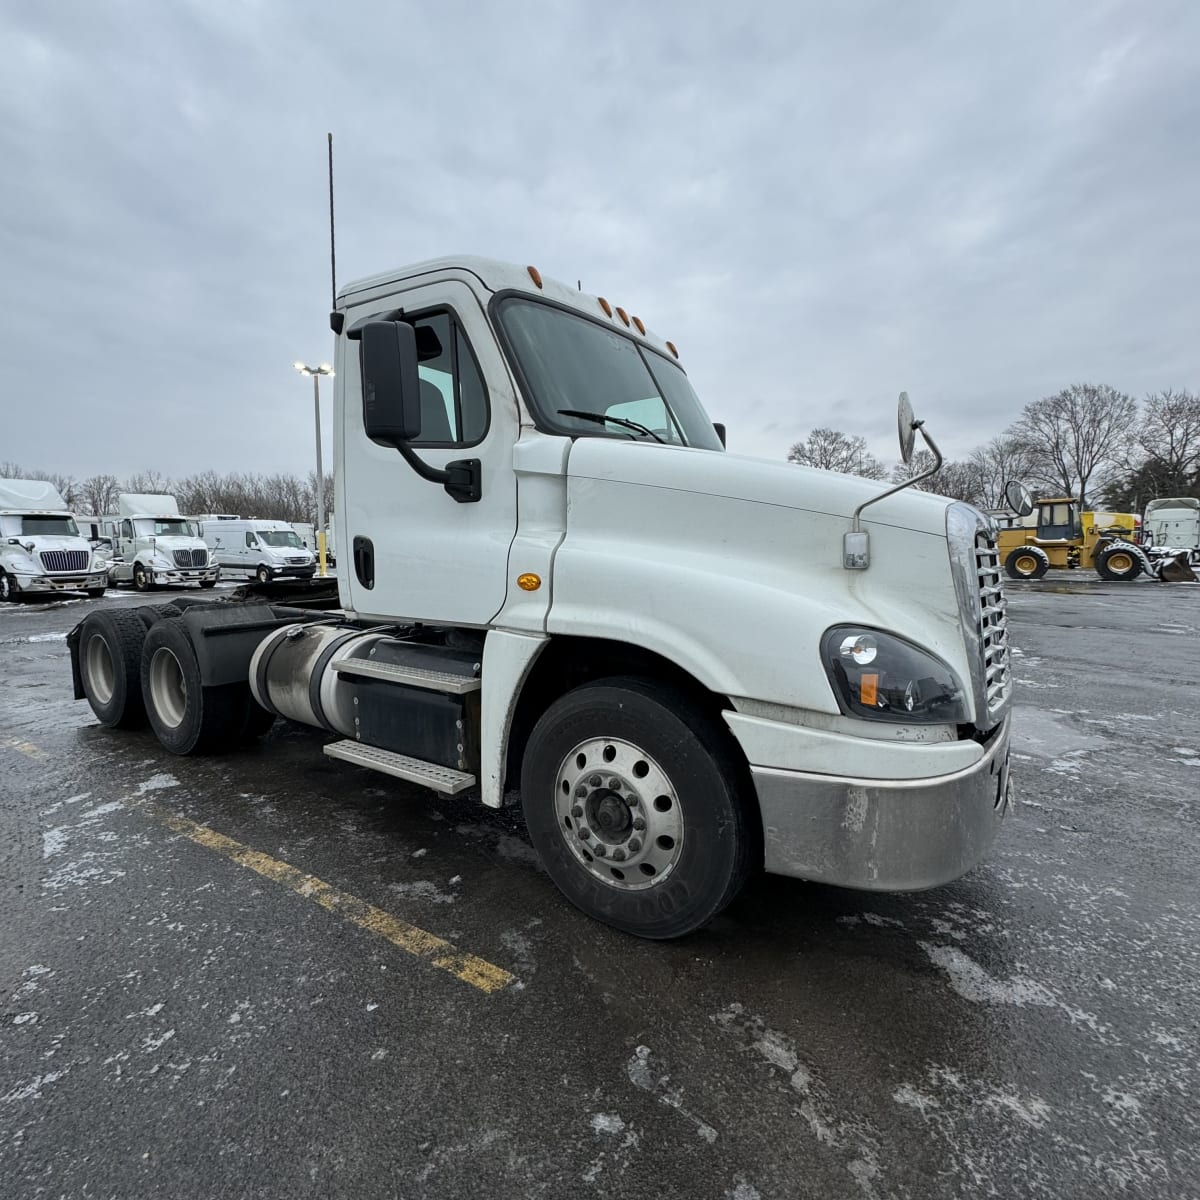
[(53, 541), (171, 541), (758, 480)]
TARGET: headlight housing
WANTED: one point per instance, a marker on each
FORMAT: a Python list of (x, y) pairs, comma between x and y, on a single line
[(882, 677)]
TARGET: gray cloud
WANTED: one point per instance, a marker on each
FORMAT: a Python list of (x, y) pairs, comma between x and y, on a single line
[(821, 204)]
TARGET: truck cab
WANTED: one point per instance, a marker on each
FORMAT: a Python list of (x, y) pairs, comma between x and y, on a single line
[(41, 547), (153, 546), (558, 589)]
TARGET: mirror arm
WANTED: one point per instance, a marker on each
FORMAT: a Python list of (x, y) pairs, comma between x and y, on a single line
[(462, 479), (919, 426)]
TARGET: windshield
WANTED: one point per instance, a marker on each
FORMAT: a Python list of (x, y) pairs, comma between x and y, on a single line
[(38, 525), (569, 362), (280, 537), (162, 527)]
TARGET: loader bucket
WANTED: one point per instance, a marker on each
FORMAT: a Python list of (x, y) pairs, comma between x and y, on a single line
[(1177, 570)]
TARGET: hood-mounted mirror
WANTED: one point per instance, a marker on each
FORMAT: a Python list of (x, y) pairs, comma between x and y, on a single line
[(1017, 497), (906, 426)]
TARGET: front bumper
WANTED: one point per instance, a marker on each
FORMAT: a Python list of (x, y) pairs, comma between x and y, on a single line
[(62, 583), (893, 835), (198, 575)]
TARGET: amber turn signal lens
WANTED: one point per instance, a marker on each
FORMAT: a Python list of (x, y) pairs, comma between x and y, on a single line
[(529, 582), (869, 690)]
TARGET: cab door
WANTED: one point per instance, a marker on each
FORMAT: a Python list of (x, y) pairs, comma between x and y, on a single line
[(406, 548)]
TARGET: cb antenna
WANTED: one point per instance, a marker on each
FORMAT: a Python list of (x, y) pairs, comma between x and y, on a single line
[(332, 252)]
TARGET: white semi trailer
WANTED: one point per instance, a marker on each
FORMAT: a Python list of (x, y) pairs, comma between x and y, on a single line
[(690, 664), (41, 547)]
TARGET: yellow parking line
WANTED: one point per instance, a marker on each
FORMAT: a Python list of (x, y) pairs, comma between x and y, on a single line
[(26, 748), (478, 972)]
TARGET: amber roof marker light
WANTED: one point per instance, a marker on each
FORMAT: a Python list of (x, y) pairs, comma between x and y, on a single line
[(536, 276), (623, 315), (604, 304), (671, 347), (640, 327)]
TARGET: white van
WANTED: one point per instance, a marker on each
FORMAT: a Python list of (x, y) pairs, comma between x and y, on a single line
[(265, 549)]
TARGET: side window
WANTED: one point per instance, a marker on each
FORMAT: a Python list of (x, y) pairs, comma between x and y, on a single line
[(127, 529), (454, 406), (250, 536)]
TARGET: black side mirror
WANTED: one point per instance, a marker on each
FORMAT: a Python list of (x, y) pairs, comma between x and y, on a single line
[(720, 428), (391, 386)]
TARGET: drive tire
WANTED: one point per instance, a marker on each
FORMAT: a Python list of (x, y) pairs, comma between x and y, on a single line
[(687, 755), (186, 716), (1026, 562), (1116, 563), (141, 581), (10, 589), (110, 667), (151, 614)]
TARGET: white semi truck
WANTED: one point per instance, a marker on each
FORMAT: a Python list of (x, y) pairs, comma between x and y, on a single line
[(155, 547), (41, 547), (1174, 521), (556, 583)]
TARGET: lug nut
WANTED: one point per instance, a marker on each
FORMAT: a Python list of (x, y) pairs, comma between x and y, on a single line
[(639, 824), (618, 855), (584, 832), (632, 800), (599, 850), (595, 781), (580, 792), (577, 811), (635, 844), (614, 783)]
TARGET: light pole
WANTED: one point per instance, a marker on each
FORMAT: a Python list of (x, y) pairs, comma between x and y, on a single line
[(316, 373)]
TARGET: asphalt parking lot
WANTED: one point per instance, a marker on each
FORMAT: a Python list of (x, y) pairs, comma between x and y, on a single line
[(269, 974)]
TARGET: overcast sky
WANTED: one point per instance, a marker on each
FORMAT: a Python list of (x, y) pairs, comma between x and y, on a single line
[(820, 204)]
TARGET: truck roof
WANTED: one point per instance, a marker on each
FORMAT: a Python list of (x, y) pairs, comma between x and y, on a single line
[(31, 495), (1169, 502), (499, 276), (134, 504)]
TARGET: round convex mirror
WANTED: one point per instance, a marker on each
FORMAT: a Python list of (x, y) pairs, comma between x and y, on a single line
[(905, 426), (1018, 498)]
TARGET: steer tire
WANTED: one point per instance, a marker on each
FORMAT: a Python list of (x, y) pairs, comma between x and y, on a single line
[(677, 772), (10, 589), (1116, 562), (141, 581), (1026, 562), (186, 716), (110, 667)]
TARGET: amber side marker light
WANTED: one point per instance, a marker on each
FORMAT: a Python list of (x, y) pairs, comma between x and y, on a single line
[(529, 582), (535, 275)]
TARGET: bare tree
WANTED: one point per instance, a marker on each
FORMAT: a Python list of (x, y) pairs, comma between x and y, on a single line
[(958, 480), (995, 463), (149, 483), (100, 493), (1071, 435), (1169, 436), (832, 450)]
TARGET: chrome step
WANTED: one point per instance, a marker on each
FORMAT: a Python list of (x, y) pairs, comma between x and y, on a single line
[(414, 770), (422, 677)]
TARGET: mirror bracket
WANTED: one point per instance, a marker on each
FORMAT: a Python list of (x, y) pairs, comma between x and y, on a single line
[(462, 479)]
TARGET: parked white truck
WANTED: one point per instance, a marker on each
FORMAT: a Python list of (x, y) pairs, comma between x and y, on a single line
[(1174, 521), (154, 546), (41, 547), (690, 664)]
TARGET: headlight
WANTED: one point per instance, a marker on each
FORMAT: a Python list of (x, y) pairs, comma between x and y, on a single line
[(884, 678)]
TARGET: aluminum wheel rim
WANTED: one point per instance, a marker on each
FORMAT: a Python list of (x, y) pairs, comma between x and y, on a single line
[(102, 678), (619, 813), (5, 587), (167, 688)]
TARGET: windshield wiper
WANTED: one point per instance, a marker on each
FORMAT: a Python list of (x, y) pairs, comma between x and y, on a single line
[(602, 419)]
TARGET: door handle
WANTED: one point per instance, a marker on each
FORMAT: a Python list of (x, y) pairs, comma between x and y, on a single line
[(364, 561)]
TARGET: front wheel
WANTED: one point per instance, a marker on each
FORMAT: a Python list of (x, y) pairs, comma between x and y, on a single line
[(142, 581), (263, 574), (1027, 562), (9, 588), (1116, 562), (631, 795)]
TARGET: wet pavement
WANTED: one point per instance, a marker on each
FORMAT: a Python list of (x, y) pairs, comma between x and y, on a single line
[(217, 977)]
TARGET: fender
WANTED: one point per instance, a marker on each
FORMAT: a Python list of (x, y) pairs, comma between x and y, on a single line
[(507, 661)]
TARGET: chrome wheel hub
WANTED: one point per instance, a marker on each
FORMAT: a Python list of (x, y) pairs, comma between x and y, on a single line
[(619, 813)]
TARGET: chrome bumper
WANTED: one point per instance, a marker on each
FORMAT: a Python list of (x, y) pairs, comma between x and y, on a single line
[(883, 835), (62, 583)]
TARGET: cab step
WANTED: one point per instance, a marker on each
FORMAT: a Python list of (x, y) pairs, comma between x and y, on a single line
[(421, 677), (413, 770)]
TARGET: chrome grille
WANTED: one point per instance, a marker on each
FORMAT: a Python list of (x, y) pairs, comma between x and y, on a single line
[(993, 623), (191, 558), (65, 560)]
